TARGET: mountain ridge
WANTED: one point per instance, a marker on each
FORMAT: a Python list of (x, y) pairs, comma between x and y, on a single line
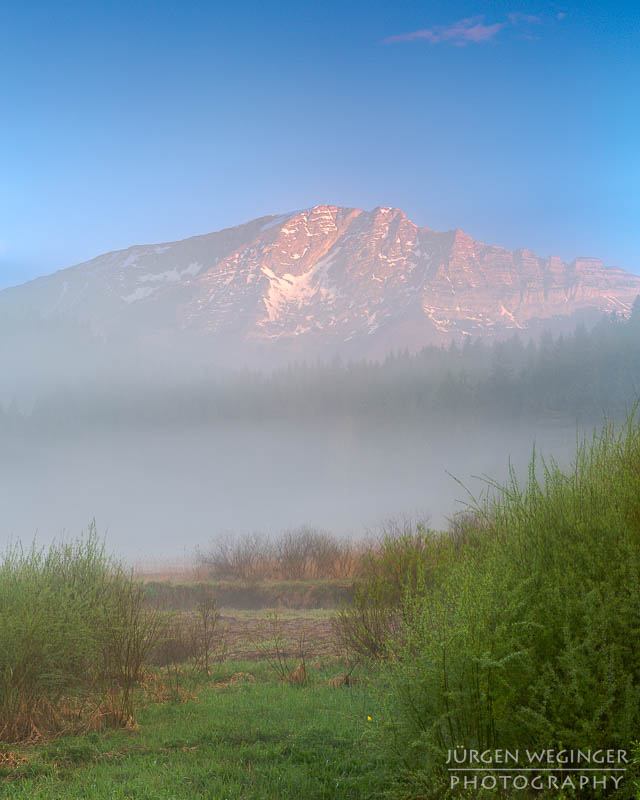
[(323, 280)]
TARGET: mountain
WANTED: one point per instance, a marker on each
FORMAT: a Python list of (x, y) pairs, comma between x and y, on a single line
[(322, 281)]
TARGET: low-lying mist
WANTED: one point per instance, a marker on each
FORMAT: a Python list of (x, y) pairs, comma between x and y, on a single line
[(157, 493), (167, 452)]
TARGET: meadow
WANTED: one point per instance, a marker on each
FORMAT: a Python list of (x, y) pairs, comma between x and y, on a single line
[(517, 628), (245, 734)]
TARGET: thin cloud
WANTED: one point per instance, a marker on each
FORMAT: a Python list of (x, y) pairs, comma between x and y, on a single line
[(463, 32), (469, 30), (524, 19)]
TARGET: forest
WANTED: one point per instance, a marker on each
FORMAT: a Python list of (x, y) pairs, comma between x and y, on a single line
[(576, 378)]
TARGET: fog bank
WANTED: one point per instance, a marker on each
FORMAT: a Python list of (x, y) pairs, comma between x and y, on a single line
[(155, 493)]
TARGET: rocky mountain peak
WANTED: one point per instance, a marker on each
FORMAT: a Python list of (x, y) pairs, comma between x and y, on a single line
[(327, 279)]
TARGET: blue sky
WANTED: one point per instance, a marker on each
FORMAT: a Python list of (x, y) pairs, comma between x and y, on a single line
[(139, 121)]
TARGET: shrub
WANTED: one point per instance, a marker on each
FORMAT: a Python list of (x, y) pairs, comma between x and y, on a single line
[(73, 636), (405, 558), (194, 637), (240, 558), (308, 553), (303, 553), (531, 636)]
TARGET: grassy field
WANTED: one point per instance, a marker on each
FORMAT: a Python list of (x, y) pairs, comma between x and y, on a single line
[(518, 629), (248, 736), (230, 702)]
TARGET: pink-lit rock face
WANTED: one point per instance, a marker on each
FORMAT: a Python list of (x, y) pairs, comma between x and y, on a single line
[(327, 280)]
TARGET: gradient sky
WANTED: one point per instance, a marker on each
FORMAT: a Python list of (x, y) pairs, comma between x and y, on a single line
[(139, 121)]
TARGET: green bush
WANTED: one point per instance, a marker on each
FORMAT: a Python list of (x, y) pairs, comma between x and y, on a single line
[(73, 637), (531, 635), (407, 557)]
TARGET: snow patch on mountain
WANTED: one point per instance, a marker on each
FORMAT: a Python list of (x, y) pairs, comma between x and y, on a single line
[(139, 294), (172, 275), (289, 291)]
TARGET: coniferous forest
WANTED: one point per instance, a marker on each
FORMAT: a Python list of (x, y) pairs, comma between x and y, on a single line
[(577, 379)]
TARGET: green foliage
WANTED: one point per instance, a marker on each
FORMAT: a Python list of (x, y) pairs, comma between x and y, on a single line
[(73, 637), (531, 636), (407, 557)]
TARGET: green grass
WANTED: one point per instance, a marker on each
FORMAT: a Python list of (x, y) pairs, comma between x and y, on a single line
[(251, 740)]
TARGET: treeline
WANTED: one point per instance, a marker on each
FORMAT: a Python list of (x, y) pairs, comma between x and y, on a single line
[(575, 378)]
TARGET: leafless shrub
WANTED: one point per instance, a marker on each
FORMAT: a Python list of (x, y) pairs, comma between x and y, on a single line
[(128, 635), (398, 526), (244, 558), (303, 553), (307, 553), (363, 628), (276, 652), (177, 646), (189, 646)]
